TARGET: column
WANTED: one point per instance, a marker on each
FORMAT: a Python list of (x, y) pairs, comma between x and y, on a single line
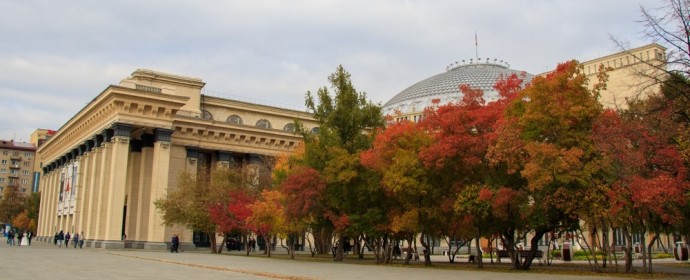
[(44, 229), (102, 186), (115, 187), (85, 158), (94, 183), (95, 200), (144, 192), (159, 186)]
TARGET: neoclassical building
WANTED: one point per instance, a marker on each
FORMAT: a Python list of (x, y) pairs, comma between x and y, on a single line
[(104, 168)]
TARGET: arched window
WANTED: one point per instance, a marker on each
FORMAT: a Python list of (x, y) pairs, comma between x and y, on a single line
[(289, 127), (234, 119), (315, 130), (263, 123), (206, 115)]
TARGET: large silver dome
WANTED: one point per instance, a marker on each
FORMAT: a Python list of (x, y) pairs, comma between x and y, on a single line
[(444, 86)]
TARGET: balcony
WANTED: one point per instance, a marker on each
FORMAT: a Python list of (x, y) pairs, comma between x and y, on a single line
[(13, 176), (19, 158), (14, 166)]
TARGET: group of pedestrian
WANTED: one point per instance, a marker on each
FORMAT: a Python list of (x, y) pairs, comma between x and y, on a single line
[(22, 239), (77, 239)]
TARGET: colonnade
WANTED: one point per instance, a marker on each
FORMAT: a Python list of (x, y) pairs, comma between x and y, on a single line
[(87, 190), (105, 188)]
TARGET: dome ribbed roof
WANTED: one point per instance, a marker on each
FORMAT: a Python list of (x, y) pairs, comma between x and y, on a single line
[(444, 86)]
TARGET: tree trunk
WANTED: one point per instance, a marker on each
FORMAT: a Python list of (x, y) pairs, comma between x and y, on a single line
[(408, 256), (212, 238), (269, 244), (643, 250), (508, 240), (628, 250), (339, 255), (649, 249), (534, 246), (246, 244), (220, 247), (477, 244), (427, 251)]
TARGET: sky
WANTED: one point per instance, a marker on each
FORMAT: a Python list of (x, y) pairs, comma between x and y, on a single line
[(56, 55)]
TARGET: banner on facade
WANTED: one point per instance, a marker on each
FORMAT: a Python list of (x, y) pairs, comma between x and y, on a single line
[(68, 191)]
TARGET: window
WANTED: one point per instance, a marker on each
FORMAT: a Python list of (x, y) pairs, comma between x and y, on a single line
[(23, 189), (27, 154), (5, 153), (234, 119), (206, 115), (13, 171), (315, 130), (25, 181), (263, 123), (2, 180), (26, 163), (4, 162), (3, 171), (289, 127), (16, 154), (25, 172)]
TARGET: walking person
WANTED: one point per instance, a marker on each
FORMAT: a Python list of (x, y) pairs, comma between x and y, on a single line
[(76, 240), (25, 240), (67, 238), (81, 240), (10, 238), (29, 236), (60, 238), (55, 238), (174, 243)]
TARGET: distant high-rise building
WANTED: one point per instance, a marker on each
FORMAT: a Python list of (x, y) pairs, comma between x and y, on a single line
[(16, 165)]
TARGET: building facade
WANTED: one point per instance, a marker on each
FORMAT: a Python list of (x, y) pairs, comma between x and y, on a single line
[(633, 74), (16, 165), (38, 137), (104, 168)]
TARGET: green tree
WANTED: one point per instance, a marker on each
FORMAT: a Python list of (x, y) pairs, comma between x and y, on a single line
[(345, 121), (33, 203)]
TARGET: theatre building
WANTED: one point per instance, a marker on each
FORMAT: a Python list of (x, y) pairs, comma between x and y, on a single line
[(104, 168)]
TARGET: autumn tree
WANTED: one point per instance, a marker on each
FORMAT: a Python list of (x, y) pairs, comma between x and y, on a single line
[(648, 172), (12, 203), (463, 132), (547, 139), (188, 204), (344, 119), (395, 156), (22, 221), (231, 215), (267, 217)]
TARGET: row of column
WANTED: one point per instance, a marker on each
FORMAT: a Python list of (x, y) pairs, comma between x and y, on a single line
[(106, 167)]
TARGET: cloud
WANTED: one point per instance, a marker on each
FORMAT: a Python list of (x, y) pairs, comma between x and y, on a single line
[(58, 55)]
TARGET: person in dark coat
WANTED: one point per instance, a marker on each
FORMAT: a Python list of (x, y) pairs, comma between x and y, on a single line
[(67, 238), (60, 238), (174, 243)]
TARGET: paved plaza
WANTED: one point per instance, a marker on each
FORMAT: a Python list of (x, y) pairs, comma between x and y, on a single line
[(45, 261)]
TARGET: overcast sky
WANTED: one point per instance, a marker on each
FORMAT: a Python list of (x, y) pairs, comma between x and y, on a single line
[(56, 56)]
